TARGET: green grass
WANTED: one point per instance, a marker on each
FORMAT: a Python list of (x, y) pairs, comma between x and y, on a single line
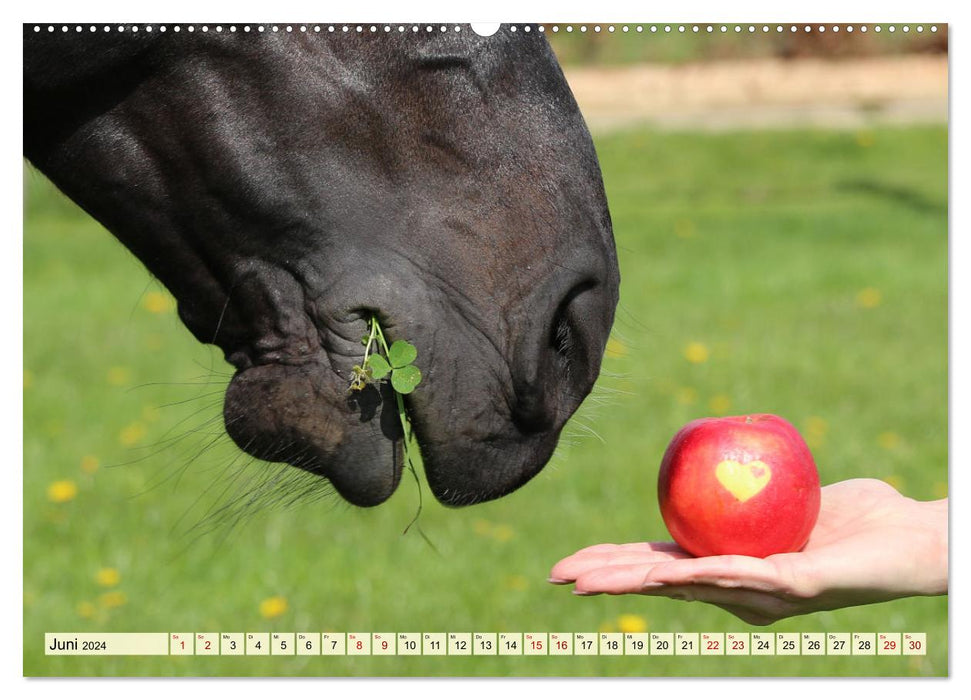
[(756, 246)]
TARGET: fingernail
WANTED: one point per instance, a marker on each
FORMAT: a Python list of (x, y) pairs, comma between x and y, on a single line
[(557, 580), (576, 592)]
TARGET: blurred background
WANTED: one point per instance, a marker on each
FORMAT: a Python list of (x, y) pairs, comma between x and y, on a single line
[(844, 76), (780, 207)]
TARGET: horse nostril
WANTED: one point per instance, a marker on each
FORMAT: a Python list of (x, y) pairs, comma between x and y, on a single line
[(549, 369), (565, 335), (561, 337)]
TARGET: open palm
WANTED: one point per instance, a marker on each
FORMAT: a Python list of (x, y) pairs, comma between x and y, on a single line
[(870, 544)]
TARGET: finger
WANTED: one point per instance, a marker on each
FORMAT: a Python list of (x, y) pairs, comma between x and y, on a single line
[(567, 569), (726, 571), (616, 579), (571, 567)]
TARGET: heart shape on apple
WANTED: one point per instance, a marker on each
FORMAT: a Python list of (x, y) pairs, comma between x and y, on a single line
[(743, 480)]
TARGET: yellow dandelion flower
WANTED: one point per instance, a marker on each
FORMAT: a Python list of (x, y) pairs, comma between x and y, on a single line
[(86, 609), (158, 303), (868, 298), (815, 431), (686, 395), (273, 607), (112, 599), (888, 440), (865, 139), (696, 353), (107, 577), (28, 379), (720, 403), (940, 489), (814, 442), (616, 348), (62, 491), (684, 228), (119, 376), (895, 481), (816, 425), (132, 433), (503, 533), (516, 582), (89, 464), (631, 623)]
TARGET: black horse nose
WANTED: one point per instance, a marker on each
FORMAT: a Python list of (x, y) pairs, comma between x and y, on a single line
[(552, 371)]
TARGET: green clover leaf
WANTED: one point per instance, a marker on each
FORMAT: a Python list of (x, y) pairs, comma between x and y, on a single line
[(405, 379), (401, 353), (378, 366)]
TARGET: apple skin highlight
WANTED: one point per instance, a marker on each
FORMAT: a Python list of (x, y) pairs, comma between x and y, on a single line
[(739, 485)]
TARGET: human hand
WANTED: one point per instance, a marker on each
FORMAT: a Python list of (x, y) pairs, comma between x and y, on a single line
[(870, 545)]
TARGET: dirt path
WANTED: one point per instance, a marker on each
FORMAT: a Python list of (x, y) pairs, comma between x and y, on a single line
[(765, 93)]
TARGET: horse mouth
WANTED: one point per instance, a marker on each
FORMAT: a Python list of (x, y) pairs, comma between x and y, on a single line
[(305, 415)]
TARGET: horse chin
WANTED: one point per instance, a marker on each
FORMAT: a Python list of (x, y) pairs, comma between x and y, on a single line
[(474, 472), (303, 414)]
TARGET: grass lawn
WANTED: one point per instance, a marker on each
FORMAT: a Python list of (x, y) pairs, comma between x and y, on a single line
[(800, 273)]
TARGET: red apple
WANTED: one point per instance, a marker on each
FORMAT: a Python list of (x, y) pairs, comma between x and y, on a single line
[(739, 485)]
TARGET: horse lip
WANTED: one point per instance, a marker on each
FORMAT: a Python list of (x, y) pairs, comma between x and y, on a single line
[(301, 414), (366, 467)]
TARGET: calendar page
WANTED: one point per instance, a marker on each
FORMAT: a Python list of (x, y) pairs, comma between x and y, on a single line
[(579, 349)]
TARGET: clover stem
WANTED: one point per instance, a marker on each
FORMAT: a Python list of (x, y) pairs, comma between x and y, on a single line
[(377, 333), (372, 328), (406, 431)]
